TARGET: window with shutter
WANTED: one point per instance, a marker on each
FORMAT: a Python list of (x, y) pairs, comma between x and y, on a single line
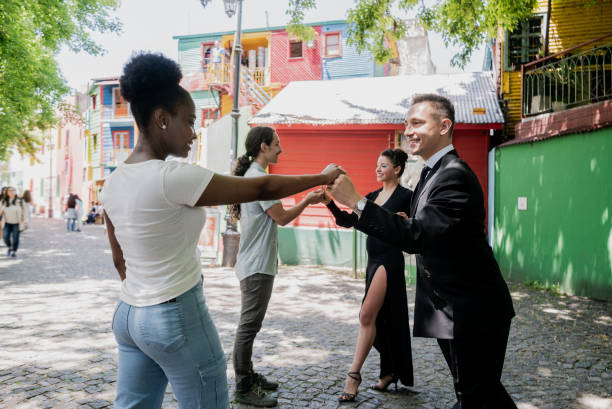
[(524, 44), (332, 45), (295, 49)]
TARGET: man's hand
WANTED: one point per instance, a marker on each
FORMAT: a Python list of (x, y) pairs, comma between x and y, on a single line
[(404, 215), (332, 171), (344, 191)]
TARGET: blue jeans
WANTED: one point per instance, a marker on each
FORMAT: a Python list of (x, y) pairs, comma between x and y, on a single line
[(70, 223), (11, 231), (175, 342)]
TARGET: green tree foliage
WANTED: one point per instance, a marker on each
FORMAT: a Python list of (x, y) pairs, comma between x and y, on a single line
[(464, 23), (31, 85)]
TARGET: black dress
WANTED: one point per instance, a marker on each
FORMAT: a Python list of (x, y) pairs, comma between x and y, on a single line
[(392, 324)]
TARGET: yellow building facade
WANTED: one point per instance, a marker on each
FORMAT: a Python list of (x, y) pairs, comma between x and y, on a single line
[(554, 27)]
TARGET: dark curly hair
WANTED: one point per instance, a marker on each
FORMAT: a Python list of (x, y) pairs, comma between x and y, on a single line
[(151, 81), (254, 139), (398, 157)]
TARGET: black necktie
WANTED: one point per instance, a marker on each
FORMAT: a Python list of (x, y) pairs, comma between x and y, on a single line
[(418, 188), (424, 174)]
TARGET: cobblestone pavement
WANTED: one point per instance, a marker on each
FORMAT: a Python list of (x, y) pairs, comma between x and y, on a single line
[(57, 350)]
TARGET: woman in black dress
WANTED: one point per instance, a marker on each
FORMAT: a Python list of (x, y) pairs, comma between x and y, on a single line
[(383, 319)]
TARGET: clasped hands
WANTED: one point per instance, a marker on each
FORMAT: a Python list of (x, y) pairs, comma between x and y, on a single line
[(341, 187)]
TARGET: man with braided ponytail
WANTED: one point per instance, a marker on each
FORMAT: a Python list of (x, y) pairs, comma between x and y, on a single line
[(257, 261), (154, 211)]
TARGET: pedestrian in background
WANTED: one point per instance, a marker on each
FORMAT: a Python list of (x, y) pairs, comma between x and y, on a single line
[(2, 196), (14, 217), (91, 214), (71, 214), (26, 197)]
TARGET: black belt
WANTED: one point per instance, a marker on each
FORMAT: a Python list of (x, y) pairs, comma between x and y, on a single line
[(169, 301)]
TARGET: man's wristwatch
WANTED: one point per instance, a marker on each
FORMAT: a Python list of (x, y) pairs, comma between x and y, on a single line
[(360, 205)]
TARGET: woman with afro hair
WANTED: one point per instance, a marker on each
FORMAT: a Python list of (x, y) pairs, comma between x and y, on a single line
[(154, 211)]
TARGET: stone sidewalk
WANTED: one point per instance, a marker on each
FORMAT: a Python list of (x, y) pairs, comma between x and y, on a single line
[(57, 350)]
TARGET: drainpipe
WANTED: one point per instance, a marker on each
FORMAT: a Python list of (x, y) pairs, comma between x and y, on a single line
[(547, 28)]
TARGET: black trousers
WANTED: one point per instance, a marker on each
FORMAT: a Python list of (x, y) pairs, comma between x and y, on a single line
[(476, 364)]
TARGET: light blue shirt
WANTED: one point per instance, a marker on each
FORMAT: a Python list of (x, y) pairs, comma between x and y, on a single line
[(431, 162), (258, 251)]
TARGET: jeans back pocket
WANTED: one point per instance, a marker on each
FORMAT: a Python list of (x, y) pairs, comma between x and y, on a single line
[(162, 326)]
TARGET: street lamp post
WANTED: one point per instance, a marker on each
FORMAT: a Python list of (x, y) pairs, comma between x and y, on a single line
[(231, 237), (50, 210)]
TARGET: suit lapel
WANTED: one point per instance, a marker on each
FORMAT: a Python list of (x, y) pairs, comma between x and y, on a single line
[(414, 204)]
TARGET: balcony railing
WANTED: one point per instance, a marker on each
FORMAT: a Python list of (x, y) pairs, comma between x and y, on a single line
[(218, 73), (116, 112), (559, 82), (221, 74), (115, 157)]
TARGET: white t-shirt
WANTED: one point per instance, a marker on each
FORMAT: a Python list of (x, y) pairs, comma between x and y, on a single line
[(151, 207)]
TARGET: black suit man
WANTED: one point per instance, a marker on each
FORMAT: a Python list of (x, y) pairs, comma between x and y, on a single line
[(461, 297)]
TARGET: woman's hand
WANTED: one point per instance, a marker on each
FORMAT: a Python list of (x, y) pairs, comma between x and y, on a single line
[(404, 215), (332, 171), (326, 198), (315, 196)]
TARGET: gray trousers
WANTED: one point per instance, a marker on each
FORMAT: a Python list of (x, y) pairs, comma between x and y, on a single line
[(255, 292)]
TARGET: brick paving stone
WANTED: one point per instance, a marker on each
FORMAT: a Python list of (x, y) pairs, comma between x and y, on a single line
[(57, 349)]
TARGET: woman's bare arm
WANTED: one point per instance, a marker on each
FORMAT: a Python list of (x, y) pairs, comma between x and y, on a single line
[(118, 259), (235, 189)]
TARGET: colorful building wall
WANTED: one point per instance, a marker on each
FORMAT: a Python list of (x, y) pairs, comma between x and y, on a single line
[(284, 69), (564, 237), (69, 164), (571, 22), (204, 100), (350, 63)]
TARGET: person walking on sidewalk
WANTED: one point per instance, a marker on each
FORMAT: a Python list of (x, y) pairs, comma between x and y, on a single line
[(71, 214), (27, 206), (257, 261), (2, 196), (154, 212), (13, 213)]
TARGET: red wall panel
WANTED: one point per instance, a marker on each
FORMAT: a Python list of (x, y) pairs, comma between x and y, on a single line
[(285, 70), (473, 147), (310, 151)]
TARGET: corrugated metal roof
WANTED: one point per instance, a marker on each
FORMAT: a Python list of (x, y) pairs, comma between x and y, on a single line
[(252, 30), (382, 100)]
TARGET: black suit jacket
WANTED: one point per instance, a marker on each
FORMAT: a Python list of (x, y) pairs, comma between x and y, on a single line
[(460, 290)]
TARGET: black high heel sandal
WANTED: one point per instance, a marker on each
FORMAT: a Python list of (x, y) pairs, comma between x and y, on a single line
[(393, 380), (350, 397)]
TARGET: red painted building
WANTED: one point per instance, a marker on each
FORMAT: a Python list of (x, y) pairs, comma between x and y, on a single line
[(294, 60)]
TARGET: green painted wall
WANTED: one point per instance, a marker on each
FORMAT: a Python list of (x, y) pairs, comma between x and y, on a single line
[(332, 247), (564, 237)]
